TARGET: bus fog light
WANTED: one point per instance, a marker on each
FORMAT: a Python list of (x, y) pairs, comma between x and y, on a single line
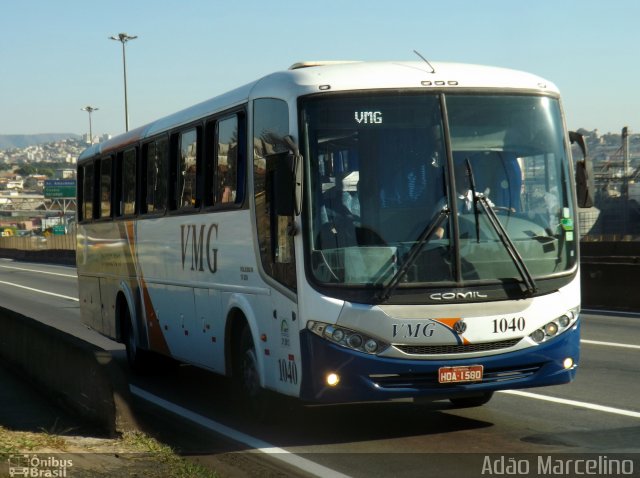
[(551, 329), (538, 336), (333, 379), (371, 346), (567, 363), (355, 341)]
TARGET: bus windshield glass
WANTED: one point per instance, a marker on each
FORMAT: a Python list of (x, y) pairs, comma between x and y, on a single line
[(382, 168)]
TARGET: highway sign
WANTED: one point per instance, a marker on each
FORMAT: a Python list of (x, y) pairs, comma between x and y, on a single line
[(60, 188)]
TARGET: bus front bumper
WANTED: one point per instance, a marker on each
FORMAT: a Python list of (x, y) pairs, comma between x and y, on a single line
[(364, 377)]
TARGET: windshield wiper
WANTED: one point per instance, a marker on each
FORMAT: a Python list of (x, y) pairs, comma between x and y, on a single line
[(412, 255), (523, 270)]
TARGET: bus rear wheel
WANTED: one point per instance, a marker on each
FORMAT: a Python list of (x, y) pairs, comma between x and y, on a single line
[(470, 402), (136, 357)]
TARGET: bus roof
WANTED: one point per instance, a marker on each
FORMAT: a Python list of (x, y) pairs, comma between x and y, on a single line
[(315, 76), (415, 74)]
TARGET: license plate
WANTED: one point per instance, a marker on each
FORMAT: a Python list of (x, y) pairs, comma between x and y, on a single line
[(472, 373)]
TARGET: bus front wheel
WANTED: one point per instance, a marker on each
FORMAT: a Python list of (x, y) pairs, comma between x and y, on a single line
[(247, 376)]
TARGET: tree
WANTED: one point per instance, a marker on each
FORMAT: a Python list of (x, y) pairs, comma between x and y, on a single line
[(26, 170)]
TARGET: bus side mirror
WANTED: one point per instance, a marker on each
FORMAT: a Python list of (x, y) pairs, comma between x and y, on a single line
[(582, 185), (296, 165), (583, 176), (283, 184)]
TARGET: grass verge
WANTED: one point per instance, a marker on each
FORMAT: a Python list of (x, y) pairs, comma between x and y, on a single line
[(133, 454)]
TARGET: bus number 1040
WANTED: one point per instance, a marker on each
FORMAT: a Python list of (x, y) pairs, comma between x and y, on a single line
[(288, 371), (504, 325)]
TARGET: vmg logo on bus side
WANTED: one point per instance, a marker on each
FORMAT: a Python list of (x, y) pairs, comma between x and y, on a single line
[(197, 241)]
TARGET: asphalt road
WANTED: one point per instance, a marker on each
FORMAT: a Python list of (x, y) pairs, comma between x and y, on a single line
[(48, 293), (598, 414)]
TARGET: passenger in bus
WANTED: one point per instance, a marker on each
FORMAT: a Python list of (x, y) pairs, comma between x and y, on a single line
[(188, 187), (227, 195)]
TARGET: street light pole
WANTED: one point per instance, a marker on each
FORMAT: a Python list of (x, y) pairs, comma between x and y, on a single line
[(124, 38), (90, 109)]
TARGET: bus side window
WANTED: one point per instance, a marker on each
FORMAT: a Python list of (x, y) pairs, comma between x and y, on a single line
[(128, 184), (270, 125), (155, 176), (106, 168), (187, 160), (227, 161), (87, 192)]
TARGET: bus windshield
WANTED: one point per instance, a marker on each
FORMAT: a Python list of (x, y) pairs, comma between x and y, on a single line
[(381, 168)]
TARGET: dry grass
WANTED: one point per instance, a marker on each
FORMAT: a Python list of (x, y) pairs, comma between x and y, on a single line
[(133, 454)]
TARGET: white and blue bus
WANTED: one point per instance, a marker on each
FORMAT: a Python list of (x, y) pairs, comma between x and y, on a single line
[(344, 231)]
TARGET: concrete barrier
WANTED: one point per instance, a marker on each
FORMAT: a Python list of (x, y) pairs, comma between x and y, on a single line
[(50, 256), (78, 375)]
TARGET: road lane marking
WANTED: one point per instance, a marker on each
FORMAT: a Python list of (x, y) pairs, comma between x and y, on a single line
[(610, 344), (74, 276), (40, 291), (281, 454), (574, 403)]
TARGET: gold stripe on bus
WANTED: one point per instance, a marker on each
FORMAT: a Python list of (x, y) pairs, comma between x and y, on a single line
[(157, 342)]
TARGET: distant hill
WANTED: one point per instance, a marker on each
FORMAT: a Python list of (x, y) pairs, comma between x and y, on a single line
[(10, 141)]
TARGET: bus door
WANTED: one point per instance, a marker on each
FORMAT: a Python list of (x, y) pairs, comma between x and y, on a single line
[(272, 174), (275, 227)]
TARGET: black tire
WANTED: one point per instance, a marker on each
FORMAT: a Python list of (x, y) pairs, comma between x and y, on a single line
[(248, 373), (247, 377), (470, 402), (137, 358)]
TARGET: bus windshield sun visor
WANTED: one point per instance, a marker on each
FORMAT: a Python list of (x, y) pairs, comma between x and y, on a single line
[(412, 255), (523, 270)]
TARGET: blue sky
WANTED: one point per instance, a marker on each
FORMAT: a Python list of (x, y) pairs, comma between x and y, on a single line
[(55, 56)]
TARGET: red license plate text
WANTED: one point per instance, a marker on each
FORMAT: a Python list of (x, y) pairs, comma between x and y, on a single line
[(472, 373)]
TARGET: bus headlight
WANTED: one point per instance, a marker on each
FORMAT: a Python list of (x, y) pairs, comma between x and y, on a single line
[(371, 346), (538, 336), (551, 329), (564, 321), (555, 327), (337, 335), (347, 338), (354, 341)]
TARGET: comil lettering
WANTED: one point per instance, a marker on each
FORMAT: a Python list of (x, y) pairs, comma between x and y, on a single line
[(196, 245), (368, 117), (457, 295)]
